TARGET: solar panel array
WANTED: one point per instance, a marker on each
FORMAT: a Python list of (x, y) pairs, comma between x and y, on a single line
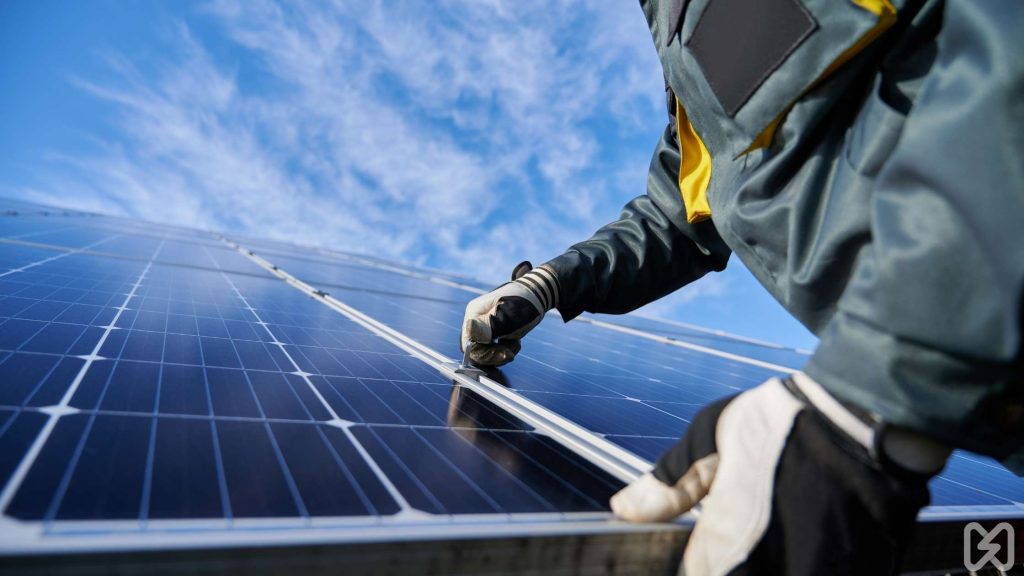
[(153, 375)]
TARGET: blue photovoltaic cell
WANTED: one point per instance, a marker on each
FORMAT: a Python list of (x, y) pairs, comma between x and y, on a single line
[(13, 256), (217, 257), (974, 480), (185, 482), (28, 228), (351, 275), (768, 353), (271, 250), (546, 478), (645, 446), (17, 431), (197, 389)]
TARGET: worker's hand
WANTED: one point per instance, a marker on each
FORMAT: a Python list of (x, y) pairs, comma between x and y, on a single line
[(495, 322), (790, 482)]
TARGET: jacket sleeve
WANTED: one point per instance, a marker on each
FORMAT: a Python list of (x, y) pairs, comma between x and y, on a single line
[(928, 331), (647, 253)]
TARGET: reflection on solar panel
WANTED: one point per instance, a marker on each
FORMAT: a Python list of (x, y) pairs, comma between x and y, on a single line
[(164, 387)]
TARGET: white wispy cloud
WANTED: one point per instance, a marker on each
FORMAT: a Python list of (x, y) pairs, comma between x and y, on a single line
[(462, 134)]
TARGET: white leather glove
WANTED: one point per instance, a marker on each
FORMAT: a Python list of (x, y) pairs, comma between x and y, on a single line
[(790, 481), (495, 322)]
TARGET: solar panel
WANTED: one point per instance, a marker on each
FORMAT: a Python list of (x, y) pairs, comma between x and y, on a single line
[(158, 380)]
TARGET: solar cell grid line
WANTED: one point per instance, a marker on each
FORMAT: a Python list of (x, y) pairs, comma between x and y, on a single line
[(19, 256), (147, 481), (335, 419), (353, 275), (72, 237), (215, 257), (982, 477), (222, 486), (264, 247), (131, 245), (62, 408), (641, 321), (691, 346), (56, 257), (757, 350), (369, 274), (60, 233), (13, 232), (415, 271), (643, 360), (429, 274), (15, 209), (105, 224), (154, 233)]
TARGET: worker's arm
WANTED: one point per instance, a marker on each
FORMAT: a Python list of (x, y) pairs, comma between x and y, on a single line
[(648, 252), (928, 330)]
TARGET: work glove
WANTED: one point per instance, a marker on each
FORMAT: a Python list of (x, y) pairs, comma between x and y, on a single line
[(495, 322), (790, 482)]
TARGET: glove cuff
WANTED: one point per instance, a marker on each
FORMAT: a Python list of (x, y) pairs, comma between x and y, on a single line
[(542, 282), (908, 450), (858, 425)]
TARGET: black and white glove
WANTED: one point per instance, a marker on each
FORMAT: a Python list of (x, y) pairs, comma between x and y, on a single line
[(495, 322), (790, 481)]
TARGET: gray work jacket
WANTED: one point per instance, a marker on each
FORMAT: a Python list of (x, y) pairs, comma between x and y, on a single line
[(867, 165)]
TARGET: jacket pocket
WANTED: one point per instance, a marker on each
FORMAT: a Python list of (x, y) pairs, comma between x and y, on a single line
[(759, 57)]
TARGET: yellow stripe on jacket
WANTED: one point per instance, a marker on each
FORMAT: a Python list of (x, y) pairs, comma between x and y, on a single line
[(694, 169)]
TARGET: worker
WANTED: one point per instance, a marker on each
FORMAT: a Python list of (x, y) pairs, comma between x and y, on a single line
[(865, 160)]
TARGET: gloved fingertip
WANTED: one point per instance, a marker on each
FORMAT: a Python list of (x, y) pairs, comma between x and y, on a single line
[(476, 330), (482, 355), (647, 500), (491, 355)]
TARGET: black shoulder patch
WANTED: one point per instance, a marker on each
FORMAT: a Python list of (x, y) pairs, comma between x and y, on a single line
[(675, 19), (739, 43)]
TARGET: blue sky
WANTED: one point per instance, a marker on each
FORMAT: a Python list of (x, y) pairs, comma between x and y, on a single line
[(460, 134)]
